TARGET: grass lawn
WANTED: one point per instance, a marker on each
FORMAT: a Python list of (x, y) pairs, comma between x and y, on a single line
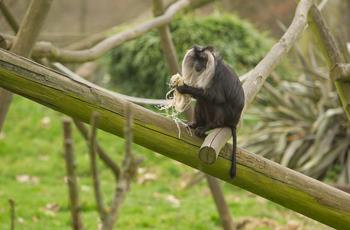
[(32, 173)]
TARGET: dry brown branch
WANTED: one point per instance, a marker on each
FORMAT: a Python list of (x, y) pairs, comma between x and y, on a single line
[(9, 17), (71, 175), (129, 169), (94, 168), (193, 180), (256, 77), (48, 50), (12, 214), (24, 42), (221, 205), (100, 151), (166, 41), (3, 43)]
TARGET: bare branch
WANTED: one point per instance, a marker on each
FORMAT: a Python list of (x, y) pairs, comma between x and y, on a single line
[(166, 41), (3, 43), (129, 169), (71, 175), (12, 214), (100, 151), (9, 17), (256, 77), (94, 168), (63, 55)]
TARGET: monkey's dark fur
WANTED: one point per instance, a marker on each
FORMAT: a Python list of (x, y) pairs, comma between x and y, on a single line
[(220, 100)]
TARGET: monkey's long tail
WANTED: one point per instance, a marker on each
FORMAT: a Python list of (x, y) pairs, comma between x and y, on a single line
[(233, 159)]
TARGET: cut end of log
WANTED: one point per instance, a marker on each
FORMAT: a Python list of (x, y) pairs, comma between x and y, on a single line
[(213, 143), (207, 155)]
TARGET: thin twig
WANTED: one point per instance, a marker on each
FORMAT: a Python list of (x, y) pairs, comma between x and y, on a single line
[(129, 169), (12, 214), (11, 20), (100, 151), (94, 168), (71, 175)]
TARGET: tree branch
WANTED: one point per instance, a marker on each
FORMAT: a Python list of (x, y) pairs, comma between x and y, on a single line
[(46, 49), (129, 170), (151, 130), (100, 151), (94, 168), (166, 41), (9, 17), (255, 78), (71, 175)]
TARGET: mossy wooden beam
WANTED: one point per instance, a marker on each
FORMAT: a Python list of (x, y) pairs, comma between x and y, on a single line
[(151, 130), (338, 70)]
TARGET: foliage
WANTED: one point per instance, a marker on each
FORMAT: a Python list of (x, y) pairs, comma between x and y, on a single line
[(141, 60), (32, 145), (302, 125)]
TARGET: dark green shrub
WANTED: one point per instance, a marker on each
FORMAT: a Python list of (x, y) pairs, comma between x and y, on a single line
[(138, 67)]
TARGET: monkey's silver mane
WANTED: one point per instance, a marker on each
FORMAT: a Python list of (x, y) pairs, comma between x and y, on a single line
[(198, 79)]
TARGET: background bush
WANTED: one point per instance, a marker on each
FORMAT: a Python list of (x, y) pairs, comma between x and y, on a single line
[(141, 61)]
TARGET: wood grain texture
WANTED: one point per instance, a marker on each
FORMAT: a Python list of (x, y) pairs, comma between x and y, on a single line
[(151, 130)]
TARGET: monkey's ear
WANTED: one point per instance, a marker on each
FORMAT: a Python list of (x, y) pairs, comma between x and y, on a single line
[(196, 48), (210, 48)]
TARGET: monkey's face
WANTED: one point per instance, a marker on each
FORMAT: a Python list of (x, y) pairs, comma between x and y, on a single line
[(198, 66)]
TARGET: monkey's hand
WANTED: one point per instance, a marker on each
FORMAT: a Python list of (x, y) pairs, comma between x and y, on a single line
[(184, 89)]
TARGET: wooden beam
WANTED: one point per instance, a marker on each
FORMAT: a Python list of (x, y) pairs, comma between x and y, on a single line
[(151, 130), (24, 42), (338, 71)]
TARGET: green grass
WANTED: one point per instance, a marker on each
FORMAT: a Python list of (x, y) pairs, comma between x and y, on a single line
[(28, 147)]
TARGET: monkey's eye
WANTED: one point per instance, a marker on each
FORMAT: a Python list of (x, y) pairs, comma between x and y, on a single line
[(203, 59)]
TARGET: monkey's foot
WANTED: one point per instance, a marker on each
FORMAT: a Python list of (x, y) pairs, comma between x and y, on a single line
[(200, 131), (192, 124)]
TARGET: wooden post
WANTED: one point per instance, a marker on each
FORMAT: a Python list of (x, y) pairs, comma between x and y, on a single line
[(166, 41), (24, 42), (221, 205)]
